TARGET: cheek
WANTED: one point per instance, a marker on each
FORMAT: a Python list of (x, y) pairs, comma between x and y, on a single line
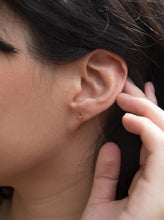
[(30, 122)]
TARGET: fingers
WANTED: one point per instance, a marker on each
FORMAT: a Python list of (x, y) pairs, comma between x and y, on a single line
[(153, 141), (131, 89), (106, 174), (146, 120), (142, 107), (151, 135)]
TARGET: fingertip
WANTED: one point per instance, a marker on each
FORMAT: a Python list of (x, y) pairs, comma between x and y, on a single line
[(110, 148), (125, 119), (110, 155), (122, 97), (129, 122), (127, 116)]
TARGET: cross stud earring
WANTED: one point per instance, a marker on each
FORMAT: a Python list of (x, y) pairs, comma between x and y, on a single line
[(80, 117)]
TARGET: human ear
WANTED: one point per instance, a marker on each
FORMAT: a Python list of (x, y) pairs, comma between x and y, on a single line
[(103, 75)]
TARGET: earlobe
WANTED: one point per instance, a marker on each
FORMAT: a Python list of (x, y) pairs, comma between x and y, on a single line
[(102, 78)]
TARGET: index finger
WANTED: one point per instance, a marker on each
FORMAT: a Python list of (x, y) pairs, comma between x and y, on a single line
[(142, 107)]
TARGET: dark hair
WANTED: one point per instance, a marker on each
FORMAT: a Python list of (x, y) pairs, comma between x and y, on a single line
[(64, 30)]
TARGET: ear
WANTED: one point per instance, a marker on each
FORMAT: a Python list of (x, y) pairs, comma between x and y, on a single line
[(103, 75)]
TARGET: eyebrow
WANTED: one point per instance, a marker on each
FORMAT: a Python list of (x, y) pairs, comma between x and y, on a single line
[(7, 47)]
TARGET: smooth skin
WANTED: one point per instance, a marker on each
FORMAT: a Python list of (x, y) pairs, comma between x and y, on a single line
[(145, 200), (46, 153)]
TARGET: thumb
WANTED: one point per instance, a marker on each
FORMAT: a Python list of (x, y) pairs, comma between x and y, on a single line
[(106, 174)]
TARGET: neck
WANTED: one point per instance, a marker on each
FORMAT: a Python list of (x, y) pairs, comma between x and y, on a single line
[(66, 204), (58, 188)]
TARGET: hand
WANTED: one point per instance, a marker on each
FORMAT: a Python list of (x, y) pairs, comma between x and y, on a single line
[(145, 200)]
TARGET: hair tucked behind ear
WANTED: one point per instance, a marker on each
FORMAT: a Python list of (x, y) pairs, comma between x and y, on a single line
[(62, 31)]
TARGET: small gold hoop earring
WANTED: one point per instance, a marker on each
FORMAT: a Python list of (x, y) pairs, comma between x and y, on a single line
[(80, 117)]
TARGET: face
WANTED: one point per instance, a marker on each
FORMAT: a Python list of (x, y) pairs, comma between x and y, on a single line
[(31, 104)]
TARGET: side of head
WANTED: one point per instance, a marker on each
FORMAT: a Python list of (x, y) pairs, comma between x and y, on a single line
[(88, 49)]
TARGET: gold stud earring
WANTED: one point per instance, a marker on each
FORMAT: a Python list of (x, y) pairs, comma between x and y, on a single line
[(80, 117)]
